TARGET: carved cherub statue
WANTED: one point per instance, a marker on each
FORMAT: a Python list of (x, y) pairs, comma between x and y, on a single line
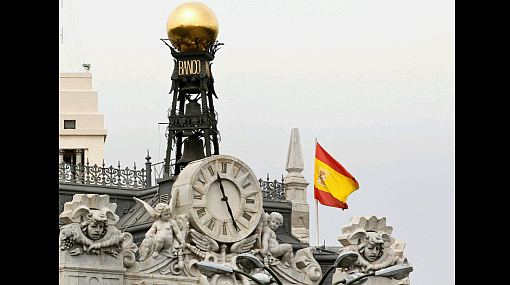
[(370, 237), (270, 244), (164, 237), (91, 229)]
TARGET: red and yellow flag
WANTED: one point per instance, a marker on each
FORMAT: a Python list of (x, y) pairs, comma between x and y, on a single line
[(333, 183)]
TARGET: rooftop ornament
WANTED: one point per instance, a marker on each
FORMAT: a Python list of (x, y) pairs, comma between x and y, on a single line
[(193, 27)]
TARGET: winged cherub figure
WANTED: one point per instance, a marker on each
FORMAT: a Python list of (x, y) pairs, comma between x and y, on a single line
[(270, 244), (160, 239)]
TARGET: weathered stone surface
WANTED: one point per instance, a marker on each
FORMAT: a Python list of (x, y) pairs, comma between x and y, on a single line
[(90, 269), (296, 189), (91, 249), (295, 163), (370, 237)]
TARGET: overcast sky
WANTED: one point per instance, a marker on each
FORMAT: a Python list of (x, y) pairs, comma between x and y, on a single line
[(374, 81)]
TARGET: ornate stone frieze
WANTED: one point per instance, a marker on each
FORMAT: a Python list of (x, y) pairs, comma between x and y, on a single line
[(91, 229), (371, 239), (92, 249)]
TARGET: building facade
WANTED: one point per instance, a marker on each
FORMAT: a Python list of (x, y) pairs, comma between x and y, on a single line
[(81, 134)]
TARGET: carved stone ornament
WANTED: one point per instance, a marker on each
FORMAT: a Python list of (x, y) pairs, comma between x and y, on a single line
[(190, 247), (371, 239), (93, 251), (197, 226), (161, 252), (299, 269), (91, 229)]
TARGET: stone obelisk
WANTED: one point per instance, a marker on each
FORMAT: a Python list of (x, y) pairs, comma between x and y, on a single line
[(296, 189)]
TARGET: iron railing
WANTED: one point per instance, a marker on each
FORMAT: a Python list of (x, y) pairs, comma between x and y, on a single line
[(102, 176), (127, 178), (273, 190)]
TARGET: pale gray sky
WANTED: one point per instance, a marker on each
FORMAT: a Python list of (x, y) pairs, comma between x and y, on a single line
[(374, 81)]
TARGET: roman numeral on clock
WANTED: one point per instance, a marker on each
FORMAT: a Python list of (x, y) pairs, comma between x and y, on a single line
[(247, 216), (225, 231), (212, 223), (202, 179), (236, 173), (211, 170), (201, 212)]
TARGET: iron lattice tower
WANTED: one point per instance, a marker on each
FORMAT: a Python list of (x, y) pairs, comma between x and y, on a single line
[(192, 116)]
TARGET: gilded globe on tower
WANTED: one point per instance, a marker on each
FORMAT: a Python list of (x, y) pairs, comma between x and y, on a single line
[(192, 27)]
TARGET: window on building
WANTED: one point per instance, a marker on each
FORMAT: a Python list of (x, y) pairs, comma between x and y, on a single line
[(70, 124), (70, 157)]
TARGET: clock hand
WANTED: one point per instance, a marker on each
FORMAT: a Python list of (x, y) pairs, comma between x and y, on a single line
[(225, 199)]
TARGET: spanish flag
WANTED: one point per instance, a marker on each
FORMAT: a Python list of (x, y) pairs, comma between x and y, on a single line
[(333, 183)]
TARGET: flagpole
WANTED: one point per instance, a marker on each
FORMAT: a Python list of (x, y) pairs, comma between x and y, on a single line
[(317, 222), (317, 212)]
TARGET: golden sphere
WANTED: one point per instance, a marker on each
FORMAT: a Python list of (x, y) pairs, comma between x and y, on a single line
[(192, 26)]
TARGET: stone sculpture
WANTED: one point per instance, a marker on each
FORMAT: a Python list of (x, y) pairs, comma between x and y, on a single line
[(296, 189), (164, 237), (91, 230), (91, 249), (371, 238), (191, 247), (271, 247), (299, 269)]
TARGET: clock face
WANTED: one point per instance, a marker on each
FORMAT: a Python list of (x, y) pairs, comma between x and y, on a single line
[(210, 203)]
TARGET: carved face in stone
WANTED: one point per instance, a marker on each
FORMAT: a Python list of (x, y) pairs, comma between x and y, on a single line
[(372, 248), (275, 221), (165, 216), (95, 225), (95, 231), (372, 252), (163, 212)]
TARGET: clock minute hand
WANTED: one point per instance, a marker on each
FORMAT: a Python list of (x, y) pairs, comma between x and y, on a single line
[(225, 199)]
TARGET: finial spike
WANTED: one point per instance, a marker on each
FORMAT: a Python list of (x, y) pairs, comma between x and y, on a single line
[(295, 163)]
